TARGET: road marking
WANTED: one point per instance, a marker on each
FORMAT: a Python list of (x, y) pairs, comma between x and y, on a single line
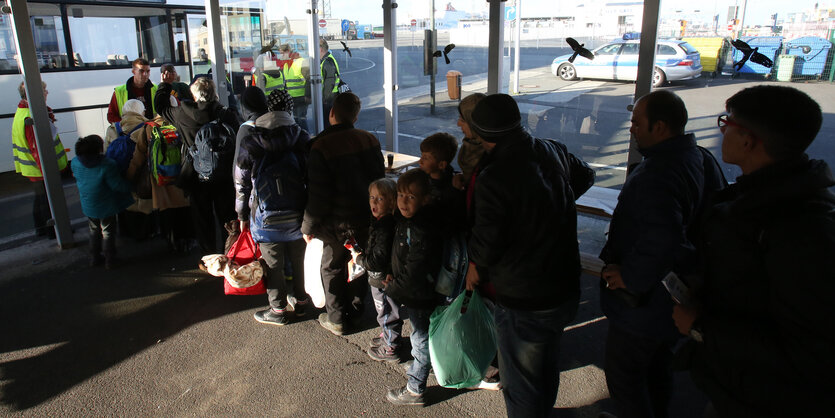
[(607, 166), (361, 69), (582, 324), (568, 93), (400, 134)]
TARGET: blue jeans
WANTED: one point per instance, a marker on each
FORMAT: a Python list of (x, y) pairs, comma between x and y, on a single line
[(388, 316), (419, 371), (529, 352)]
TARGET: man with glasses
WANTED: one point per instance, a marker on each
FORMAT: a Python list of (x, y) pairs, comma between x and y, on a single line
[(649, 236), (762, 340)]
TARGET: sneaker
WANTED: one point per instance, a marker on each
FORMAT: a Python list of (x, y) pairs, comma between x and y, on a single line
[(335, 328), (272, 317), (404, 396), (485, 385), (301, 307), (383, 353), (377, 341)]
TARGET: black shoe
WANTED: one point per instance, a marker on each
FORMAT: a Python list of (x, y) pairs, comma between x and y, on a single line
[(383, 353), (403, 396), (335, 328), (269, 316), (301, 307)]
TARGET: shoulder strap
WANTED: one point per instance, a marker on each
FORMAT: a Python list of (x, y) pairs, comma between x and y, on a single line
[(136, 128), (118, 128)]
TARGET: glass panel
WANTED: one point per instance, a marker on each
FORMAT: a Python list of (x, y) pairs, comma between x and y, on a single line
[(630, 49), (608, 50), (91, 49), (667, 50), (156, 44), (48, 32), (8, 51), (180, 43)]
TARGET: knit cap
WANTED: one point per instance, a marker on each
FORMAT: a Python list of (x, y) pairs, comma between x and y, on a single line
[(280, 100), (253, 100), (496, 116)]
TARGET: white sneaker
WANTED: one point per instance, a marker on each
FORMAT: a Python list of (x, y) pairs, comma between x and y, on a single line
[(486, 385)]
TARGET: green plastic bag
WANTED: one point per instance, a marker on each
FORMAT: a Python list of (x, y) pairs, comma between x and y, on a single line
[(462, 341)]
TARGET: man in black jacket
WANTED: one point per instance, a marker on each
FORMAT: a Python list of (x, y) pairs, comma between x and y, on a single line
[(343, 162), (762, 331), (660, 200), (524, 241), (209, 198)]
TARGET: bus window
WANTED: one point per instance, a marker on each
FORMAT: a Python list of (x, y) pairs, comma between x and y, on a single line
[(156, 45), (110, 36), (48, 32)]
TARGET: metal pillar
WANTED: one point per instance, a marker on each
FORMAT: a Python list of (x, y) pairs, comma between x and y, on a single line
[(433, 60), (390, 73), (218, 56), (495, 46), (315, 70), (517, 45), (43, 133), (646, 65)]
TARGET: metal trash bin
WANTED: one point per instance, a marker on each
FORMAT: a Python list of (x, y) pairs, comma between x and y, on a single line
[(815, 53), (453, 84), (768, 46), (788, 66)]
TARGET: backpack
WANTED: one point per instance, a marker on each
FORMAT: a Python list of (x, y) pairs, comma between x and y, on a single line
[(279, 194), (164, 157), (214, 147), (450, 281), (121, 149)]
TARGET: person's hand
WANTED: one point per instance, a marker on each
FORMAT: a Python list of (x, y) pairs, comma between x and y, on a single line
[(307, 238), (472, 278), (611, 274), (389, 278), (244, 225), (458, 181), (684, 316), (169, 77)]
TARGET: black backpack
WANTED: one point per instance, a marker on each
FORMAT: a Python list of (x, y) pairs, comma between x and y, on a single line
[(213, 150)]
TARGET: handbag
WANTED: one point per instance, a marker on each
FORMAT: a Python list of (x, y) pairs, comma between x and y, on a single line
[(244, 272)]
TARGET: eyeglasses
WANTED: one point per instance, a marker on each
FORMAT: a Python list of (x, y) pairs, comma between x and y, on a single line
[(723, 121)]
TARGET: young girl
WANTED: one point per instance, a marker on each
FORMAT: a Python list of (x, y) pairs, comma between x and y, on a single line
[(376, 259), (103, 193)]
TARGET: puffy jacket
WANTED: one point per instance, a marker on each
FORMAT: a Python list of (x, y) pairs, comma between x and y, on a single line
[(343, 162), (190, 116), (647, 236), (102, 190), (416, 259), (376, 256), (767, 300), (280, 134), (524, 222)]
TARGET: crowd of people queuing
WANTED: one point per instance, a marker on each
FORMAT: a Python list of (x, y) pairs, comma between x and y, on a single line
[(753, 254)]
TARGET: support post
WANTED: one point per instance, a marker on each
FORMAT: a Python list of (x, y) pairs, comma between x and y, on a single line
[(218, 54), (496, 45), (646, 65), (315, 70), (390, 74)]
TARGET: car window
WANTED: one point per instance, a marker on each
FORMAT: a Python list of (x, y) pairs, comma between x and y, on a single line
[(688, 48), (665, 50), (608, 50), (630, 49)]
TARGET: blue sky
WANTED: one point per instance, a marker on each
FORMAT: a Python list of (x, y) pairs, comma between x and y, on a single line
[(758, 11)]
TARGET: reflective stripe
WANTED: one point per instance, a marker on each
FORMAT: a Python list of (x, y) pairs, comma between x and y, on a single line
[(18, 148), (24, 162)]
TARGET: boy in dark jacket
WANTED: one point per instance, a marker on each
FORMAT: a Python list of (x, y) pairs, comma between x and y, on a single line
[(376, 259), (436, 154), (275, 204), (415, 261)]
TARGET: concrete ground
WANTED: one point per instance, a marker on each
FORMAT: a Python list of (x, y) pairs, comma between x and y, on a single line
[(157, 336)]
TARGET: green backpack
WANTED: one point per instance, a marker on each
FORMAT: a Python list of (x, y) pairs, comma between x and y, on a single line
[(164, 155)]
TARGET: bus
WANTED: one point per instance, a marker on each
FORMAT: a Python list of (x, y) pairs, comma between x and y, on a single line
[(85, 47)]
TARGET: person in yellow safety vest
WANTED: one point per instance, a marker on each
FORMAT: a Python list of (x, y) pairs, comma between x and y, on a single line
[(27, 161), (137, 87), (330, 79), (273, 82), (299, 90)]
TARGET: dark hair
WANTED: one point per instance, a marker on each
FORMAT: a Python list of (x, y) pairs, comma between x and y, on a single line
[(786, 119), (167, 67), (665, 106), (441, 145), (139, 61), (89, 145), (414, 181), (346, 107)]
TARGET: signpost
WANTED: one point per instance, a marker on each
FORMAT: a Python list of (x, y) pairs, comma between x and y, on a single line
[(323, 23)]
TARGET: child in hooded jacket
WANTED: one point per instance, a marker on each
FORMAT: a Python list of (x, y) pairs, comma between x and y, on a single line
[(104, 193)]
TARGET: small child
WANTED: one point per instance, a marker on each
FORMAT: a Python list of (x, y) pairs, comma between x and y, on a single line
[(376, 259), (416, 259), (104, 193), (436, 154)]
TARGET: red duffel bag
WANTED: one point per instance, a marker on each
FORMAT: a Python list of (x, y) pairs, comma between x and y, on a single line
[(244, 274)]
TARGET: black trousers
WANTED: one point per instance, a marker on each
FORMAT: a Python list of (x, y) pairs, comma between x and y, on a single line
[(342, 299), (212, 205), (274, 255), (638, 374), (40, 210)]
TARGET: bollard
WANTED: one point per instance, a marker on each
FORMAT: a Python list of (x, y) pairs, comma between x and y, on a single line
[(453, 84)]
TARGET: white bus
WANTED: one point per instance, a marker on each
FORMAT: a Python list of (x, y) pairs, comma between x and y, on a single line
[(85, 47)]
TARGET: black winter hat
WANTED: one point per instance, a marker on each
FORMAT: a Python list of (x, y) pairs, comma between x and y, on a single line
[(280, 100), (495, 116), (253, 100)]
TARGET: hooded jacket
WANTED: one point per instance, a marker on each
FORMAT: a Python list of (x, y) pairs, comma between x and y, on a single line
[(190, 116), (278, 134), (767, 310), (102, 190)]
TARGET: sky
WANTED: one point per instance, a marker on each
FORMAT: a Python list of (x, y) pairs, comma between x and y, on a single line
[(757, 11)]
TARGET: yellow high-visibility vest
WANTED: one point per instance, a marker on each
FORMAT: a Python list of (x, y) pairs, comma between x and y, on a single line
[(122, 97), (295, 79), (24, 161), (335, 64), (272, 83)]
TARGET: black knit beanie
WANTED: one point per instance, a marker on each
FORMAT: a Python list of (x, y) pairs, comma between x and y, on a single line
[(280, 100), (496, 116), (253, 100)]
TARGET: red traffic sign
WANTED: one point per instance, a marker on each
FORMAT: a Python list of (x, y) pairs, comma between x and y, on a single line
[(323, 23), (730, 27), (413, 22)]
